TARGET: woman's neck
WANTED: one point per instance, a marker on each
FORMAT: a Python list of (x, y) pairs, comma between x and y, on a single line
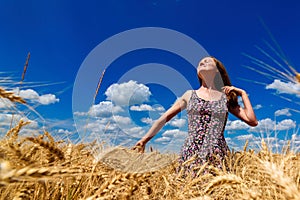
[(210, 86), (208, 80)]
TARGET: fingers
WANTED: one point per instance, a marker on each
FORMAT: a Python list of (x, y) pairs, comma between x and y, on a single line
[(228, 89), (139, 148)]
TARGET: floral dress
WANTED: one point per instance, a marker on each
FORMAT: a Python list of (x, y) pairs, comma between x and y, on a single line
[(205, 141)]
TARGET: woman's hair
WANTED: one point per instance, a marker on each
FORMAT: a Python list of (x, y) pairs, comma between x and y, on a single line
[(232, 96)]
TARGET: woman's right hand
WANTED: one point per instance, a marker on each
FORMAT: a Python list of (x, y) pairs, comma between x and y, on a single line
[(139, 146)]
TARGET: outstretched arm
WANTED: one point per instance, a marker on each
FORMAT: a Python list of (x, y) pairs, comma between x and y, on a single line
[(158, 124), (245, 113)]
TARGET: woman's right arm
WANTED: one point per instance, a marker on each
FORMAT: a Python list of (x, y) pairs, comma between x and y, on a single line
[(158, 124)]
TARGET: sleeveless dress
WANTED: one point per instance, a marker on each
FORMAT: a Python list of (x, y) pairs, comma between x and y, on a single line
[(205, 141)]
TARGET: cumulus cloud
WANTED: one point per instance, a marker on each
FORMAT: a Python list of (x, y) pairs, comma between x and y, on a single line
[(171, 140), (147, 120), (284, 87), (142, 107), (163, 140), (5, 103), (32, 95), (103, 109), (264, 125), (245, 137), (270, 125), (284, 111), (63, 131), (136, 132), (236, 125), (122, 120), (6, 119), (175, 133), (128, 93), (177, 122), (286, 124), (159, 108), (146, 107)]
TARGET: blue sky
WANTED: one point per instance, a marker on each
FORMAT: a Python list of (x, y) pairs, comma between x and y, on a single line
[(60, 35)]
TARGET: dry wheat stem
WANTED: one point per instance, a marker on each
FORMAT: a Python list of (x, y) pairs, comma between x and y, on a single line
[(11, 96)]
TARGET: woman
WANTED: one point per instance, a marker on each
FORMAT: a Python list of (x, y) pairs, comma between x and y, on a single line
[(207, 110)]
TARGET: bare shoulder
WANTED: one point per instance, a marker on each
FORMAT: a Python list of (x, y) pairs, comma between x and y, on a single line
[(186, 96)]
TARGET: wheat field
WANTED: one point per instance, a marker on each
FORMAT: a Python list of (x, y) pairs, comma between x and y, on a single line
[(39, 167)]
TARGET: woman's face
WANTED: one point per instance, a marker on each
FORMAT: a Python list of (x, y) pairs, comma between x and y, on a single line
[(207, 64)]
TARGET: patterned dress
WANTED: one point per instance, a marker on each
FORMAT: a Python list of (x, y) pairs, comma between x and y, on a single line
[(205, 141)]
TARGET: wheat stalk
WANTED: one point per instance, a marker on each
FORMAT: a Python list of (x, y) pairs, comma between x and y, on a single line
[(283, 181), (47, 145), (11, 96)]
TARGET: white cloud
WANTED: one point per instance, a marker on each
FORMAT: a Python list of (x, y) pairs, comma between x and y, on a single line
[(122, 120), (284, 111), (159, 108), (77, 113), (5, 103), (177, 122), (230, 142), (245, 137), (5, 118), (147, 120), (32, 95), (171, 140), (283, 87), (236, 125), (142, 107), (286, 124), (100, 125), (264, 125), (163, 139), (175, 133), (137, 132), (267, 124), (128, 93), (63, 132), (103, 109), (258, 106), (47, 99)]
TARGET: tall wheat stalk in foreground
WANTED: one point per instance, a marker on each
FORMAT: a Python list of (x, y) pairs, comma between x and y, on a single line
[(21, 82), (94, 100)]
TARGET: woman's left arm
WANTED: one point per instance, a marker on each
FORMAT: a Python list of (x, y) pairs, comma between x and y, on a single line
[(245, 113)]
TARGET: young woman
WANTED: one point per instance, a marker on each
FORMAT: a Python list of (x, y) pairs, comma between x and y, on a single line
[(207, 110)]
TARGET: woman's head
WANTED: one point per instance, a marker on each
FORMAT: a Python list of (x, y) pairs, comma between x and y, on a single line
[(221, 77), (213, 66)]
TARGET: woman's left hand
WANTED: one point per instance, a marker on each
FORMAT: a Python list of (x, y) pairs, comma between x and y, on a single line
[(228, 89)]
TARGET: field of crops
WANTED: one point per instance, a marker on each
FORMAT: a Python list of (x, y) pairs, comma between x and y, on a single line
[(42, 168)]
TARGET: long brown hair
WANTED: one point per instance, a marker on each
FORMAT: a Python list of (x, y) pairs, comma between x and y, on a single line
[(232, 96)]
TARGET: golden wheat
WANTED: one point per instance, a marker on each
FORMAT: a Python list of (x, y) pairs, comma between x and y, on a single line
[(261, 175), (38, 167), (11, 96)]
